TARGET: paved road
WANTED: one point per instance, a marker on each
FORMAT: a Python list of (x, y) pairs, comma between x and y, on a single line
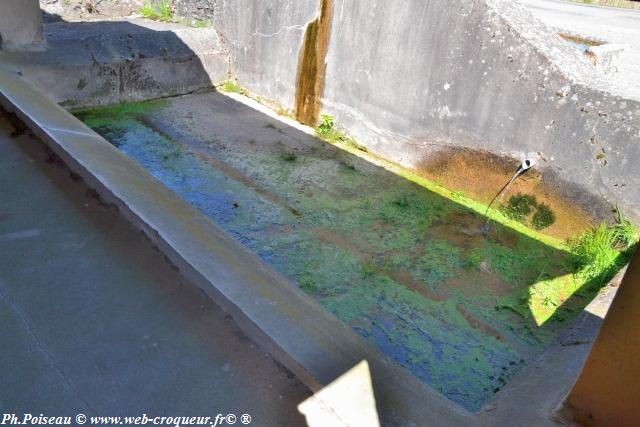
[(620, 26), (94, 320)]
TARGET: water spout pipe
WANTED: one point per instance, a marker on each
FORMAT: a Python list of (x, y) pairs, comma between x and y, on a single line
[(526, 164)]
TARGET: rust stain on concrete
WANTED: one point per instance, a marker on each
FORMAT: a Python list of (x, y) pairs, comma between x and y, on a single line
[(481, 174), (312, 66)]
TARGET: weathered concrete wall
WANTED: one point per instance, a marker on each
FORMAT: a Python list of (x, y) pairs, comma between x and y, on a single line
[(198, 9), (412, 79), (20, 25), (264, 41), (82, 9), (482, 76), (419, 81), (606, 392)]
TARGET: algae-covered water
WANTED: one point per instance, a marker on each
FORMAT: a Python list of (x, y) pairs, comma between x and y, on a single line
[(406, 267)]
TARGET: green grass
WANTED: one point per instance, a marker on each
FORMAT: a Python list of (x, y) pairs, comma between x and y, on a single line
[(306, 279), (473, 260), (327, 124), (201, 24), (601, 251), (404, 200), (289, 156), (158, 11), (347, 165), (369, 268), (194, 23), (327, 131), (230, 86), (627, 234), (456, 195)]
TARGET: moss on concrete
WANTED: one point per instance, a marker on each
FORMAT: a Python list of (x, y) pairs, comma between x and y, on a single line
[(400, 259)]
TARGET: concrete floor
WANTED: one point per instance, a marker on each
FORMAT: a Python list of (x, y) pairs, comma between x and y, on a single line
[(94, 320), (611, 25)]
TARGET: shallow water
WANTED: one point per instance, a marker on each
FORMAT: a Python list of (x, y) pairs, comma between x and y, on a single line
[(406, 268)]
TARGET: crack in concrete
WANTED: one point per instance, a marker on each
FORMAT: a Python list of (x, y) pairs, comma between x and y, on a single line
[(50, 360), (300, 27)]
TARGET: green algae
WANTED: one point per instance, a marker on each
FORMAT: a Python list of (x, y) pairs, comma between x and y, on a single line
[(231, 86), (397, 257), (101, 116)]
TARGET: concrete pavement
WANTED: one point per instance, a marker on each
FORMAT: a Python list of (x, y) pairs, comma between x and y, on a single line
[(611, 25), (94, 320)]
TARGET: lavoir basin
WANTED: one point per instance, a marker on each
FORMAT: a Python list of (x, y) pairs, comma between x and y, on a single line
[(405, 263)]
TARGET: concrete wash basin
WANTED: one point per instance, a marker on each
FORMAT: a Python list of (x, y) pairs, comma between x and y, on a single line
[(391, 255), (329, 256), (404, 266)]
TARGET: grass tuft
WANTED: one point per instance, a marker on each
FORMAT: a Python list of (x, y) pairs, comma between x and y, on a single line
[(369, 268), (626, 233), (603, 250), (327, 124), (289, 156), (232, 87), (328, 132), (404, 200), (595, 250), (158, 11)]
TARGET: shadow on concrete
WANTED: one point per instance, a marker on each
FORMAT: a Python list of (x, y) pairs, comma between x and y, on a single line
[(91, 63), (48, 18)]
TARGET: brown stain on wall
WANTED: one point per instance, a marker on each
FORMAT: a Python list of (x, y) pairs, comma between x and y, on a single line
[(481, 174), (312, 66)]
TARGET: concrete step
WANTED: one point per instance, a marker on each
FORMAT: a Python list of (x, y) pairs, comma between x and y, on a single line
[(96, 63)]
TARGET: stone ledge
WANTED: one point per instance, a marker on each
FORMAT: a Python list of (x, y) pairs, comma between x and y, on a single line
[(89, 64)]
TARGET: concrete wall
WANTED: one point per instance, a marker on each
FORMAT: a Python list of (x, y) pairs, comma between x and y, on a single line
[(20, 25), (412, 79), (483, 75), (264, 41), (198, 9), (417, 80), (606, 392)]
